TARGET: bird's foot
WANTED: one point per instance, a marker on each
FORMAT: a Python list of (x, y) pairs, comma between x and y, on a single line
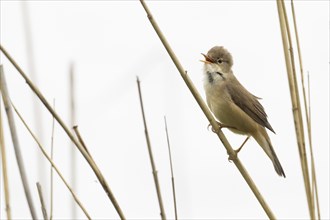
[(220, 127)]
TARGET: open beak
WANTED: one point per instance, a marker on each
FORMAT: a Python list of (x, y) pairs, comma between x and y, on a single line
[(207, 60)]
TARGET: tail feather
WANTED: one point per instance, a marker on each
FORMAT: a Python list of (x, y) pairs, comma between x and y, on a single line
[(264, 141), (277, 165)]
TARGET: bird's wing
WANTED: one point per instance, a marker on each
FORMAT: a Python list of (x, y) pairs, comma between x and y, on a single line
[(248, 103)]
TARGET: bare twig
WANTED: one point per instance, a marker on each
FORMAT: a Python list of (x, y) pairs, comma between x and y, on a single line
[(307, 114), (52, 163), (4, 163), (209, 115), (41, 197), (296, 107), (51, 168), (172, 175), (92, 164), (153, 166), (17, 149)]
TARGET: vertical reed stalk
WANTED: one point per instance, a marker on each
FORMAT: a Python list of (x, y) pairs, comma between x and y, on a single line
[(209, 116), (52, 162), (307, 114), (172, 175), (296, 107), (92, 164), (4, 162), (17, 149), (314, 181), (41, 197), (72, 123), (153, 166)]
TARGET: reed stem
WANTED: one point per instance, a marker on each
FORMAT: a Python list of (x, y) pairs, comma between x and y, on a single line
[(42, 201), (296, 107), (171, 165), (17, 149), (307, 115), (4, 163), (153, 166)]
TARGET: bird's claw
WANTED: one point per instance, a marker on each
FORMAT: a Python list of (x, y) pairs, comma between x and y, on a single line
[(219, 128)]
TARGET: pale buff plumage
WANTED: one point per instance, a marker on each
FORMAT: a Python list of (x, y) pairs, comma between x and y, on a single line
[(233, 105)]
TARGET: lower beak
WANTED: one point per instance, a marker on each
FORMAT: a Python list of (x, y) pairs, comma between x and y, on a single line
[(207, 59)]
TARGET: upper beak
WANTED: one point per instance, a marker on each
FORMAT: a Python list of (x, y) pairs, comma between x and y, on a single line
[(207, 60)]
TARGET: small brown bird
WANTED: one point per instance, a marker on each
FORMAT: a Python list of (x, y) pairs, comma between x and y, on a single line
[(233, 105)]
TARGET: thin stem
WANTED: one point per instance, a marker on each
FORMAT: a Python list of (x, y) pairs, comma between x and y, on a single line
[(51, 168), (171, 165), (93, 165), (153, 166), (17, 149), (52, 162), (296, 107), (4, 163), (209, 115), (41, 197)]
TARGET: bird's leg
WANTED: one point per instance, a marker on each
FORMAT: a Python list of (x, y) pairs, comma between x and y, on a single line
[(233, 156), (238, 150)]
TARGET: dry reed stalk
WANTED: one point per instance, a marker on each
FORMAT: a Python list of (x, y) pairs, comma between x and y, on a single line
[(296, 108), (51, 168), (92, 164), (171, 165), (232, 154), (41, 197), (4, 163), (307, 113), (17, 149), (73, 161), (51, 162), (153, 166), (314, 181)]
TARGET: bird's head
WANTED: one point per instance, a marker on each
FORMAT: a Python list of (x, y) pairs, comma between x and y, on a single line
[(218, 62)]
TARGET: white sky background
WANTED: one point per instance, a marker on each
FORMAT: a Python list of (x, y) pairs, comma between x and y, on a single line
[(110, 43)]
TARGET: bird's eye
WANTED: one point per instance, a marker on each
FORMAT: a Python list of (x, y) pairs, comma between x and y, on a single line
[(219, 60)]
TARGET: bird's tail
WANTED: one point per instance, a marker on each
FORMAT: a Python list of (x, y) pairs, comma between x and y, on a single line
[(264, 141)]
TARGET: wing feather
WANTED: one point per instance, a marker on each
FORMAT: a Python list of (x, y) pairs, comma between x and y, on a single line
[(248, 103)]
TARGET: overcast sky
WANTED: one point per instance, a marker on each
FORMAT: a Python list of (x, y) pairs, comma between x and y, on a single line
[(110, 43)]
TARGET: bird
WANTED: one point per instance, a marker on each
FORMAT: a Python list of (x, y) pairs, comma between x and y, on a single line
[(233, 105)]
